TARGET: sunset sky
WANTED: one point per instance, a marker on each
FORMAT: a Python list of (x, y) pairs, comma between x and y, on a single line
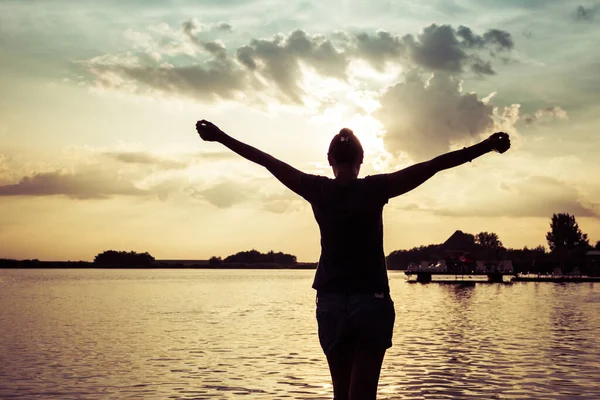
[(98, 102)]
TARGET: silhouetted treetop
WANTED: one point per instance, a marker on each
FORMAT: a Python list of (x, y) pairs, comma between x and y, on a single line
[(256, 257), (565, 233), (488, 240), (123, 258), (214, 260)]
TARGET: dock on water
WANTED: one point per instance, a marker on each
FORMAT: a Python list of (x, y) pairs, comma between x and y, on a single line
[(555, 278), (445, 277), (493, 277)]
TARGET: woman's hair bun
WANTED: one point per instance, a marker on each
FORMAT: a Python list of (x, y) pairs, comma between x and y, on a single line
[(346, 132), (345, 148)]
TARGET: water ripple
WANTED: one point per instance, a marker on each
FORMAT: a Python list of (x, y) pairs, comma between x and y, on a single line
[(193, 334)]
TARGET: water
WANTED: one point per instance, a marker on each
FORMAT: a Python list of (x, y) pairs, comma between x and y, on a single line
[(202, 334)]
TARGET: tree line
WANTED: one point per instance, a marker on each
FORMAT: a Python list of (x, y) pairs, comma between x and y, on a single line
[(255, 257), (113, 258), (567, 248)]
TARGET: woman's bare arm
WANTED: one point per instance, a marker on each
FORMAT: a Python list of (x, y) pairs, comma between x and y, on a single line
[(409, 178), (285, 173)]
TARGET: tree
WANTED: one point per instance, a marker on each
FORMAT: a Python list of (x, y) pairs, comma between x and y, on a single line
[(123, 259), (597, 246), (488, 240), (256, 257), (214, 260), (565, 233)]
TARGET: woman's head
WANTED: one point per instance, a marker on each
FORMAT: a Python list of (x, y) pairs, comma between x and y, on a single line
[(345, 151)]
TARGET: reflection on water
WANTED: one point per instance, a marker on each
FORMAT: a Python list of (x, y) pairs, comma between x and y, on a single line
[(225, 334)]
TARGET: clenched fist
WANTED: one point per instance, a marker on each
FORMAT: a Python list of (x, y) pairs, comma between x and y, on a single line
[(499, 142), (209, 131)]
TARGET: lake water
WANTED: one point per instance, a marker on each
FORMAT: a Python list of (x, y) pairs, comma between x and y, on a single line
[(205, 334)]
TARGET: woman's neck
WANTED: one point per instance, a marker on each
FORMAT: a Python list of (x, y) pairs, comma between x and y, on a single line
[(345, 174)]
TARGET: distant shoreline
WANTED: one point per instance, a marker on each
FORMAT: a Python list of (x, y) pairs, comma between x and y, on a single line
[(171, 264)]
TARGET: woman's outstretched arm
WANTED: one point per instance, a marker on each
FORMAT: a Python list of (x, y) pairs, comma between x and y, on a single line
[(407, 179), (286, 174)]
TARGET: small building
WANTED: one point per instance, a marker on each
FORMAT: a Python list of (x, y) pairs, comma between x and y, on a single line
[(592, 262), (459, 249)]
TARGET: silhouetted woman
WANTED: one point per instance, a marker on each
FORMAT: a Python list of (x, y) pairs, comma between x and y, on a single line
[(355, 312)]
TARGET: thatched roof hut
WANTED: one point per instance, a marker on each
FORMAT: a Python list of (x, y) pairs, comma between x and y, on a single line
[(460, 241)]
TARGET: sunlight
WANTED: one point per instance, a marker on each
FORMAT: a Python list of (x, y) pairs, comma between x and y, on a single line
[(362, 74)]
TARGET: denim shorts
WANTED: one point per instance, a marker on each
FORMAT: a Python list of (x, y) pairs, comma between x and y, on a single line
[(356, 319)]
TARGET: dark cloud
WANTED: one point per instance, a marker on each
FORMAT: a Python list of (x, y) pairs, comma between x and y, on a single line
[(379, 49), (193, 26), (224, 26), (218, 79), (424, 118), (442, 48), (481, 67), (437, 48), (278, 60), (273, 65), (89, 184), (502, 39), (584, 14)]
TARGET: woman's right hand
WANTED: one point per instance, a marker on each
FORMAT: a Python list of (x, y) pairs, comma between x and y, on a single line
[(208, 131)]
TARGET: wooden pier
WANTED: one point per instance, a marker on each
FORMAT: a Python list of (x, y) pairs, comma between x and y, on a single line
[(447, 277)]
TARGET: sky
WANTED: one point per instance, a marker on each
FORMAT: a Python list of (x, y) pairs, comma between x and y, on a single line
[(99, 100)]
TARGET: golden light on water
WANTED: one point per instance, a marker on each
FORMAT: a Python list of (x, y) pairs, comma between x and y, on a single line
[(217, 333)]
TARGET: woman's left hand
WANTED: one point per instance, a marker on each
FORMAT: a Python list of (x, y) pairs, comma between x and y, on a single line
[(499, 141), (208, 131)]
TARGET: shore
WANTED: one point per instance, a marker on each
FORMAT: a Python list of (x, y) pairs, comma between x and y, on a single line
[(170, 264)]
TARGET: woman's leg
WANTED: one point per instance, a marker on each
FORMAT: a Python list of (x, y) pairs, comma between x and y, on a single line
[(331, 318), (340, 362), (371, 319), (366, 368)]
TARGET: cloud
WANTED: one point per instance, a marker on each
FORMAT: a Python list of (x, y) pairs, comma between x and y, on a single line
[(146, 159), (552, 112), (378, 49), (6, 174), (194, 26), (216, 155), (534, 196), (584, 14), (278, 60), (272, 67), (228, 193), (99, 174), (224, 194), (442, 48), (423, 118), (279, 203), (184, 160), (220, 78), (3, 166), (87, 184)]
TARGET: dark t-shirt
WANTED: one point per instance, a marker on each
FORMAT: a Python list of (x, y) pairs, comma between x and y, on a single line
[(351, 224)]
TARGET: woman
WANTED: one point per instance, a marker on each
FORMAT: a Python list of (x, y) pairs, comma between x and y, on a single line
[(355, 312)]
